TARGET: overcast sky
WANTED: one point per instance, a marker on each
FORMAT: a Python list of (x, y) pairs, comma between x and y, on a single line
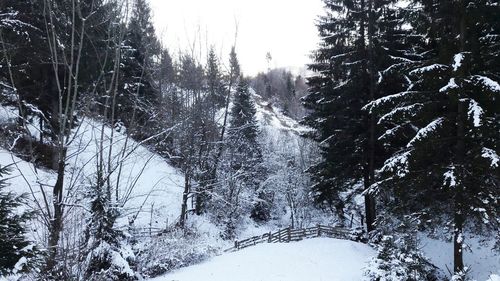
[(284, 28)]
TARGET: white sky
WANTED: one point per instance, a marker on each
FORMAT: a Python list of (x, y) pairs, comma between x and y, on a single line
[(285, 28)]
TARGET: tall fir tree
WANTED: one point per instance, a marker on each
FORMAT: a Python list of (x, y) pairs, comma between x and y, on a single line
[(446, 174), (356, 62), (245, 153), (138, 90)]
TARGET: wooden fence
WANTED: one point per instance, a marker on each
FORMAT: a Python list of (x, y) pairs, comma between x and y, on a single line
[(297, 234)]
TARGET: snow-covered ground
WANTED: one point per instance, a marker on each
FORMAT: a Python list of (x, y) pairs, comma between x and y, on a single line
[(479, 257), (149, 189), (313, 259), (272, 117)]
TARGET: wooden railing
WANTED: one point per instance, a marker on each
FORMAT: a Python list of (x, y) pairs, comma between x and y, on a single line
[(297, 234)]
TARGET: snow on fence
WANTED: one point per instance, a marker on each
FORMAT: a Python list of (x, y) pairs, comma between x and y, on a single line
[(296, 234)]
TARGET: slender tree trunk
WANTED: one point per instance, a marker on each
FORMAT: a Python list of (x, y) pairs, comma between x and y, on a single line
[(56, 222), (182, 220), (369, 174), (459, 219), (458, 238)]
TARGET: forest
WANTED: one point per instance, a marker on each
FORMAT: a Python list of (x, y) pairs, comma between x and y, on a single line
[(122, 159)]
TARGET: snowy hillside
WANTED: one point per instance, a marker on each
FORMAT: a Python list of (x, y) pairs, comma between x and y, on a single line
[(149, 189), (314, 259)]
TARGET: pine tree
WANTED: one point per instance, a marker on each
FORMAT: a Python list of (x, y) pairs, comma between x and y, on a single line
[(25, 51), (14, 245), (105, 259), (446, 174), (245, 154), (214, 81), (138, 91), (355, 64)]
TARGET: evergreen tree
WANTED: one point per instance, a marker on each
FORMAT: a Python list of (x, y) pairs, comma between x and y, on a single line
[(446, 174), (105, 255), (355, 64), (166, 73), (138, 91), (245, 154), (25, 51), (214, 82), (13, 241)]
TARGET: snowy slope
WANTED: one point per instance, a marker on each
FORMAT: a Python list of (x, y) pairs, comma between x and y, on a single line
[(271, 117), (149, 189), (313, 259), (147, 181)]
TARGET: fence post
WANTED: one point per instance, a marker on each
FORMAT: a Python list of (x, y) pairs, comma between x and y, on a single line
[(269, 238), (279, 235), (289, 233), (236, 244), (319, 229)]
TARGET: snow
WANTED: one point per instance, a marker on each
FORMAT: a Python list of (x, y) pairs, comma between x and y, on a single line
[(475, 111), (428, 68), (450, 178), (457, 61), (20, 264), (409, 109), (383, 100), (425, 131), (492, 156), (488, 83), (148, 184), (398, 163), (313, 259), (478, 255), (7, 113), (150, 189), (451, 85), (268, 115), (494, 277)]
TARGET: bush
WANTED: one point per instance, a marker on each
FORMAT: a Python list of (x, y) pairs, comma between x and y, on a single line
[(172, 250)]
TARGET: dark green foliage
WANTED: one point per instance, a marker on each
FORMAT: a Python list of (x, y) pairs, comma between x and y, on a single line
[(138, 92), (446, 173), (13, 241), (355, 63), (243, 122), (215, 86), (245, 154)]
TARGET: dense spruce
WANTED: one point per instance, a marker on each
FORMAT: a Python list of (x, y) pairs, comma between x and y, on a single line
[(17, 250), (447, 173), (405, 97)]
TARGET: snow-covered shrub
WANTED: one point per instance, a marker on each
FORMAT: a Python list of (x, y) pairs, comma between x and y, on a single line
[(398, 261), (172, 250), (109, 262)]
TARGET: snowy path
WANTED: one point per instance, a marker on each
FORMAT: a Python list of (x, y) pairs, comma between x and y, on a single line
[(314, 259)]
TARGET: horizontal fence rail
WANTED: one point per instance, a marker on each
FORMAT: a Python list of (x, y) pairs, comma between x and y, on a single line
[(296, 234)]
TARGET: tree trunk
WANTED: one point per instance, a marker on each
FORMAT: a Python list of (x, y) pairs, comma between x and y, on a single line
[(459, 219), (56, 222), (458, 262), (182, 220), (369, 178)]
